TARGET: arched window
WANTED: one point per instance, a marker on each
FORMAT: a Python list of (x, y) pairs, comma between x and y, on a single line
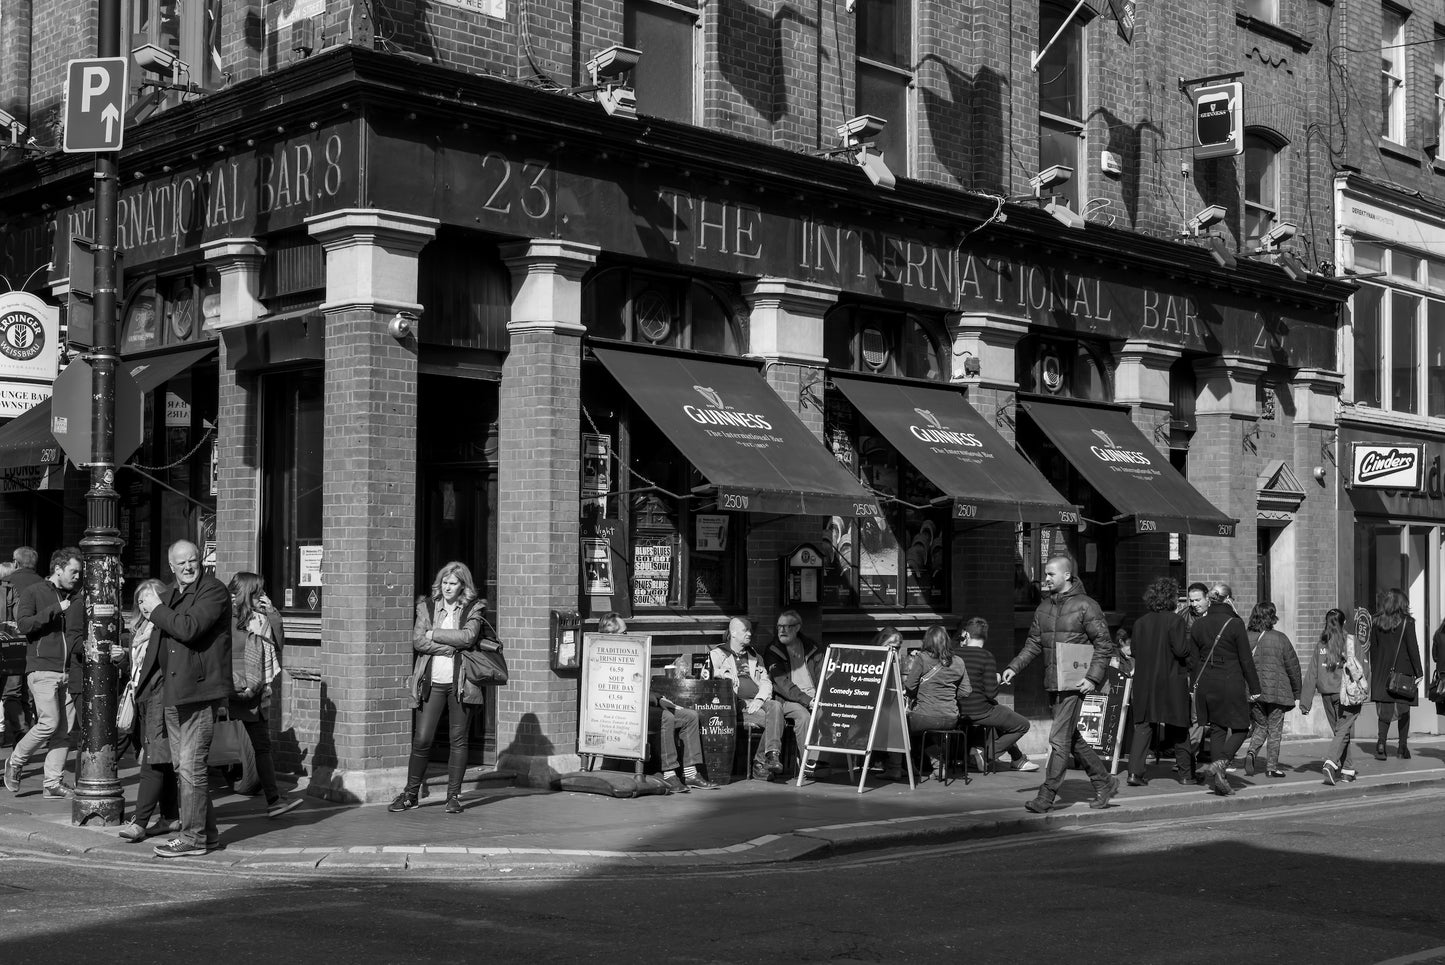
[(1071, 369), (882, 342), (1262, 157), (640, 306)]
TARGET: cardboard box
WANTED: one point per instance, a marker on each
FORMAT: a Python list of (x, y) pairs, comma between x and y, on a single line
[(1071, 664)]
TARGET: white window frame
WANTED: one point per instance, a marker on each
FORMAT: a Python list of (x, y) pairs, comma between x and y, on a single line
[(1276, 177), (1080, 179), (1392, 72), (1266, 11), (1390, 285), (910, 92), (1439, 59)]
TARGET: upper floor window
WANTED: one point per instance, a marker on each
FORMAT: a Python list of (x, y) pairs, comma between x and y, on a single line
[(672, 310), (1439, 58), (1398, 329), (885, 73), (1261, 185), (1266, 10), (1392, 75), (883, 343), (1061, 97), (1067, 368), (665, 78), (188, 29)]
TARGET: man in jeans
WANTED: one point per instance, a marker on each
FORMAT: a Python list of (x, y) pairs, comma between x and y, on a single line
[(1067, 615), (51, 615), (193, 619), (16, 577)]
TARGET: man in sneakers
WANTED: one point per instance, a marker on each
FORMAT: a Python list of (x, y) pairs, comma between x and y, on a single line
[(736, 660), (192, 618), (980, 707), (1067, 615), (51, 615)]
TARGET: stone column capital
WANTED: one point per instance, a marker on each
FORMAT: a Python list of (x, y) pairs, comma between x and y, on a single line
[(1148, 352), (1316, 397), (789, 294), (785, 322), (372, 257), (1141, 375), (547, 284), (351, 227), (233, 253), (238, 262), (983, 348), (1228, 385)]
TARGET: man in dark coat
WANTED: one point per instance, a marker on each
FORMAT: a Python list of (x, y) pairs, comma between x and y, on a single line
[(1227, 681), (1067, 615), (193, 621), (15, 578), (795, 664), (1164, 663)]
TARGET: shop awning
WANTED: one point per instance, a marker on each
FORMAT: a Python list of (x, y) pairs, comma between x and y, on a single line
[(281, 339), (958, 451), (26, 439), (739, 434), (1111, 453)]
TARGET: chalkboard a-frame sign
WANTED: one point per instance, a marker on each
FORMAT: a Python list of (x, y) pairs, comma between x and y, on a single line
[(859, 708)]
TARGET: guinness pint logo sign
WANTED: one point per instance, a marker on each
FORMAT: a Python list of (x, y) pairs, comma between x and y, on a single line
[(1394, 466)]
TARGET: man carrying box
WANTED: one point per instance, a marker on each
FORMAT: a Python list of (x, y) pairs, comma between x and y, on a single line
[(1065, 620)]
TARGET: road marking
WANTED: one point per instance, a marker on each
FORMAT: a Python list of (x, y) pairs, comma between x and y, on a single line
[(1428, 955)]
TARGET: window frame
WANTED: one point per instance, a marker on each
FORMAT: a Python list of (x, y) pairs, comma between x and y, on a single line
[(900, 70), (1393, 73), (280, 428), (1274, 174), (1427, 398), (191, 43), (1438, 63), (1075, 191), (695, 48), (1266, 11)]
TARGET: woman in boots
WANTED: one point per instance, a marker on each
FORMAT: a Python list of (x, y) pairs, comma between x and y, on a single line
[(1393, 648)]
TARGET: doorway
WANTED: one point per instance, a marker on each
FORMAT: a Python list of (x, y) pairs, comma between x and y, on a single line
[(457, 512)]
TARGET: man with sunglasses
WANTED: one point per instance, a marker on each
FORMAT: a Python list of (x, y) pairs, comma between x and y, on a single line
[(795, 664)]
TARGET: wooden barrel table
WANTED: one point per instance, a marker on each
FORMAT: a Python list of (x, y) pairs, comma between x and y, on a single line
[(717, 719)]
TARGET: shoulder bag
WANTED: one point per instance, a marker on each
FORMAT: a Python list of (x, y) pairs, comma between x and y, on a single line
[(485, 667), (1401, 686), (1436, 690)]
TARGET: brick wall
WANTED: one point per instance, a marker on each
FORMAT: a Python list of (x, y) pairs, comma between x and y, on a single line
[(238, 496), (369, 531)]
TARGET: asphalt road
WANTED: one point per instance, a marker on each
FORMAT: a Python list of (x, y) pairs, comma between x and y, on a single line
[(1347, 882)]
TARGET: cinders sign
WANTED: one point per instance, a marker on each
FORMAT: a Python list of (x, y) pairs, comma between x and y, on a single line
[(1391, 466)]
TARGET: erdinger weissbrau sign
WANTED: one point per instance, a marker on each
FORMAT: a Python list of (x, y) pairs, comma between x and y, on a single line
[(29, 351), (1392, 466)]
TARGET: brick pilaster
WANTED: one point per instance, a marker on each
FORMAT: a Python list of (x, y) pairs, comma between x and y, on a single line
[(538, 513), (1141, 380), (369, 499), (1224, 465)]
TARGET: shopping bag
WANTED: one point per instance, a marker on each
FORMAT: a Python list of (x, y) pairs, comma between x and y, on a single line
[(227, 743)]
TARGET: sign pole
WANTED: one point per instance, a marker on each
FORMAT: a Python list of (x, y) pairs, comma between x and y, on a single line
[(97, 786)]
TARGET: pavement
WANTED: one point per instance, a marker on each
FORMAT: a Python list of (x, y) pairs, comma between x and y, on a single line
[(507, 829)]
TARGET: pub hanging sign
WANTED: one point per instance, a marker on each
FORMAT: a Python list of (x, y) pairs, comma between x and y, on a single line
[(1392, 466)]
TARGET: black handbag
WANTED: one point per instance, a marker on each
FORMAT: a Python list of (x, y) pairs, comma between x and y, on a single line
[(485, 667), (1436, 690), (1401, 686)]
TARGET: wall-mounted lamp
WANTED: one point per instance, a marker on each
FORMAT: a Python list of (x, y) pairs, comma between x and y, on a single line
[(972, 365), (611, 72), (1319, 474), (402, 325)]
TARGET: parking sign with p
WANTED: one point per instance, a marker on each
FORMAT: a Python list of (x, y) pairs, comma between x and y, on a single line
[(95, 90)]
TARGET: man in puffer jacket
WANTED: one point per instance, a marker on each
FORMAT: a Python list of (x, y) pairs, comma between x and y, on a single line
[(1067, 615)]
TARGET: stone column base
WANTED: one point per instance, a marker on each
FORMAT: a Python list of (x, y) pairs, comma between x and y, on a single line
[(344, 786), (541, 770)]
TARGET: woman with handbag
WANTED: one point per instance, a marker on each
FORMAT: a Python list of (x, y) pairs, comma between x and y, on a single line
[(1395, 669), (1336, 675), (256, 641), (142, 710), (448, 623)]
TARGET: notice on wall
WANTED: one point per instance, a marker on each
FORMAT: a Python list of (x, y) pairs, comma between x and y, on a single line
[(651, 572), (712, 533), (597, 567), (309, 567), (178, 412), (612, 718), (596, 469)]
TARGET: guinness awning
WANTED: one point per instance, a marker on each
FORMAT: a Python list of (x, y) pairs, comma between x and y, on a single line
[(958, 451), (739, 434), (26, 439), (1109, 451)]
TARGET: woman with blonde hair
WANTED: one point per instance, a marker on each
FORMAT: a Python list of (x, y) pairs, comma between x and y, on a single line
[(256, 642), (143, 712), (448, 622), (1394, 648), (1335, 674)]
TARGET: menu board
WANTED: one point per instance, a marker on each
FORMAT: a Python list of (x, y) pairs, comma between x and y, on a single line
[(651, 572), (612, 719)]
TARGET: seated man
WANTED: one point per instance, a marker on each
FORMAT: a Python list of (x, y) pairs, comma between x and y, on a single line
[(734, 659), (980, 707), (795, 664), (671, 719)]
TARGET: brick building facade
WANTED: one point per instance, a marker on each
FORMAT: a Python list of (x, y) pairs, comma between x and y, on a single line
[(439, 162)]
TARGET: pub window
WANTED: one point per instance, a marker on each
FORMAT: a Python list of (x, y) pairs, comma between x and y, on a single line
[(899, 559), (679, 312), (882, 342), (1072, 369), (189, 29), (680, 551), (1061, 96), (1262, 156), (292, 437), (665, 79), (171, 310), (885, 73)]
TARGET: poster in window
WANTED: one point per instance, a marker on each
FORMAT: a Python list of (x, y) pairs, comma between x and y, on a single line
[(837, 547), (651, 572), (596, 471), (924, 558), (309, 566), (140, 322), (596, 567), (877, 562), (712, 533)]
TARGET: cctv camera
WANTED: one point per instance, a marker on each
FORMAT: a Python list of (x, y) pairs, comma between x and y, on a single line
[(155, 59), (1065, 215), (1219, 251), (1051, 177), (612, 63), (7, 119), (1279, 234), (1292, 266), (1205, 219), (402, 325), (865, 127), (877, 170)]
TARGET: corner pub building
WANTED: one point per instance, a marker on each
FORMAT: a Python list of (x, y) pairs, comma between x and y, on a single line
[(650, 360)]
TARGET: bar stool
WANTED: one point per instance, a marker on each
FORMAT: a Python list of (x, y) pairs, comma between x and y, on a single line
[(948, 735)]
